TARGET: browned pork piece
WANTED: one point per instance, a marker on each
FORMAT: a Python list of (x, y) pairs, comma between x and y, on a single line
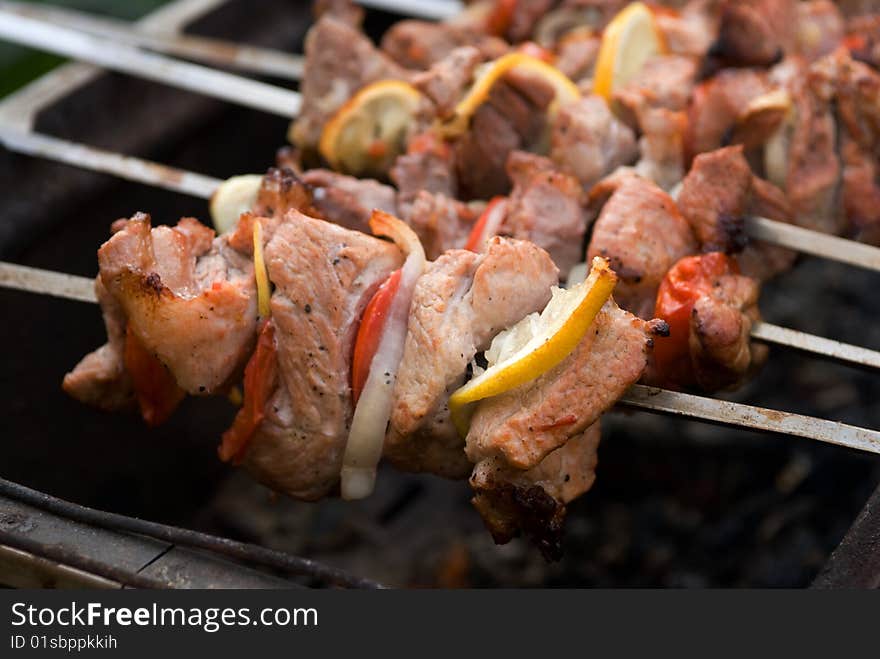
[(665, 81), (100, 378), (418, 45), (441, 223), (187, 296), (340, 60), (514, 438), (427, 166), (691, 30), (819, 29), (721, 350), (755, 32), (324, 275), (344, 11), (532, 501), (445, 82), (460, 303), (715, 198), (512, 118), (346, 200), (547, 208), (588, 142), (642, 233)]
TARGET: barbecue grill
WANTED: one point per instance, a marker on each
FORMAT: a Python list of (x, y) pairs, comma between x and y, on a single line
[(676, 503)]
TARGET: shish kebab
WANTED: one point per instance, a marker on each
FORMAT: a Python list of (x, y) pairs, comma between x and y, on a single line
[(121, 57)]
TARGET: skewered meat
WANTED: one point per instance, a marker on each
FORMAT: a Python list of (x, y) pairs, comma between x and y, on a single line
[(441, 223), (755, 32), (461, 302), (546, 207), (521, 427), (419, 44), (641, 231), (666, 81), (512, 118), (427, 166), (324, 276), (445, 82), (188, 297), (532, 501), (588, 142), (339, 60), (346, 200)]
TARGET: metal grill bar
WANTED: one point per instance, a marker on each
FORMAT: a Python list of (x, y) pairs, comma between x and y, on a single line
[(127, 59), (437, 10), (184, 537), (213, 51)]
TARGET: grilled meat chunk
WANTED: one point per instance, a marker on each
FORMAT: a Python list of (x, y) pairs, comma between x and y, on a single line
[(819, 28), (755, 32), (340, 60), (588, 142), (460, 303), (100, 378), (324, 276), (532, 501), (722, 352), (666, 81), (427, 166), (445, 82), (641, 231), (691, 30), (188, 297), (440, 222), (761, 260), (546, 207), (512, 118), (523, 426), (418, 44), (346, 200), (714, 197)]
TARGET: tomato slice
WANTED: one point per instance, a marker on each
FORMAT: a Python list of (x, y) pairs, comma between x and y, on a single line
[(370, 332), (687, 281), (487, 223), (260, 377), (155, 388)]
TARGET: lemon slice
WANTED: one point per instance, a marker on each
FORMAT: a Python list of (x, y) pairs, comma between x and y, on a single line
[(629, 40), (537, 343), (367, 134), (261, 273), (490, 73), (233, 197)]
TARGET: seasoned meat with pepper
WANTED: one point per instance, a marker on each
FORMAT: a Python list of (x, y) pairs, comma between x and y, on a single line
[(641, 231), (324, 275), (346, 200), (188, 297), (546, 207), (532, 501), (523, 426), (461, 302), (588, 142)]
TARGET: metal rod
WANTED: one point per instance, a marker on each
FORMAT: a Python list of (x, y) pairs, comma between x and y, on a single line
[(46, 282), (814, 242), (108, 162), (60, 554), (657, 400), (816, 345), (214, 51), (232, 548), (729, 413), (436, 10), (127, 59)]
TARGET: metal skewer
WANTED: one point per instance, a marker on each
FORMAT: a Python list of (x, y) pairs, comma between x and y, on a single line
[(127, 59), (213, 51), (662, 401), (436, 10)]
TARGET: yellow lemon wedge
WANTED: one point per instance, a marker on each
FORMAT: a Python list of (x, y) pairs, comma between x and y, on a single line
[(537, 343), (366, 135), (233, 197), (264, 292), (629, 40), (491, 72)]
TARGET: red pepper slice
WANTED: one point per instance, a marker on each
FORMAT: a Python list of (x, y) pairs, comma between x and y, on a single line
[(476, 235), (260, 377), (155, 388), (687, 281), (370, 332)]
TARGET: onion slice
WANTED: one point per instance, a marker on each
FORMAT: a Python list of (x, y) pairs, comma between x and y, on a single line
[(487, 225), (367, 434)]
